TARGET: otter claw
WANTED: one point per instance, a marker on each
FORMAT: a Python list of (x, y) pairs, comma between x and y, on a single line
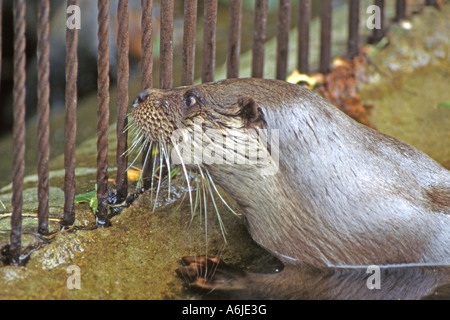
[(198, 267), (203, 272)]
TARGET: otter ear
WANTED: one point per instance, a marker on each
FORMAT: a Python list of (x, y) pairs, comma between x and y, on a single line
[(252, 115)]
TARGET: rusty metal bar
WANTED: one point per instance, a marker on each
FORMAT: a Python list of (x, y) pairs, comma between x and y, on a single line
[(166, 45), (43, 53), (123, 72), (147, 44), (189, 30), (325, 35), (103, 113), (209, 40), (19, 129), (303, 36), (70, 128), (353, 29), (1, 14), (284, 20), (234, 39), (147, 73), (378, 33), (400, 10), (259, 38)]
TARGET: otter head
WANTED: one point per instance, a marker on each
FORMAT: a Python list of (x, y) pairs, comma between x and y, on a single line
[(220, 112), (159, 113)]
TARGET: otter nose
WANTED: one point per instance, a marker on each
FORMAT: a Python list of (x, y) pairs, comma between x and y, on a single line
[(140, 98)]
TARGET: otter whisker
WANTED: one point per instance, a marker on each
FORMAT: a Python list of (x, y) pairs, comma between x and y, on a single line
[(219, 219), (145, 163), (152, 151), (137, 132), (184, 196), (203, 207), (206, 220), (221, 225), (141, 148), (167, 160), (139, 137), (197, 198), (142, 142), (131, 148), (218, 193), (131, 124), (207, 185), (160, 176), (195, 205), (186, 175), (206, 188), (216, 265)]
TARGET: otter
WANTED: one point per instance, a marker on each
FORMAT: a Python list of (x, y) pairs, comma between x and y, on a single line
[(340, 193)]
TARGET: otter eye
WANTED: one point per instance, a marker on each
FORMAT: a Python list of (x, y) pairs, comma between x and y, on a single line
[(191, 100)]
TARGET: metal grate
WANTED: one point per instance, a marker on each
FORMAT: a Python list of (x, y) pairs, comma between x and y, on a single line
[(166, 81)]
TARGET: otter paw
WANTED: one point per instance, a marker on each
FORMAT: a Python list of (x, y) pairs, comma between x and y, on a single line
[(208, 273)]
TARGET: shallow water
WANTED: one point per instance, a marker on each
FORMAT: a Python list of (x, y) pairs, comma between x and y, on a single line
[(358, 283)]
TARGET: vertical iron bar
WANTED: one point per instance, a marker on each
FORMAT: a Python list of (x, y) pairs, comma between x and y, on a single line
[(189, 29), (43, 49), (400, 10), (19, 129), (259, 38), (166, 45), (325, 35), (234, 39), (284, 19), (147, 74), (209, 40), (353, 28), (147, 44), (70, 128), (123, 40), (1, 14), (303, 35), (378, 34), (165, 56), (103, 113)]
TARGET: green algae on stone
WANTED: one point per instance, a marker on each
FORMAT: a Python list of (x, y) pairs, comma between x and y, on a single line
[(414, 81)]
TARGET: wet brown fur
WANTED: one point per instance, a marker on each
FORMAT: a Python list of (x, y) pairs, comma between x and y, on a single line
[(344, 194)]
